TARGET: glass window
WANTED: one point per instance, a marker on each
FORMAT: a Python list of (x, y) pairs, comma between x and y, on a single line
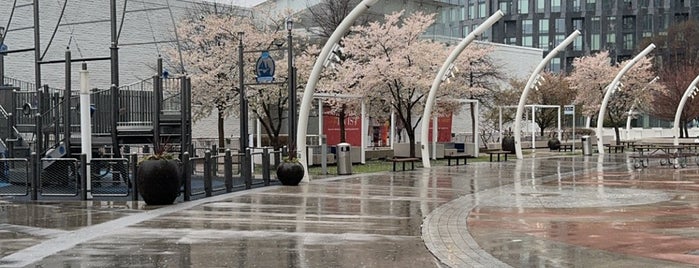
[(628, 41), (540, 6), (544, 42), (658, 3), (511, 28), (628, 4), (628, 23), (595, 42), (527, 27), (611, 24), (591, 5), (523, 6), (578, 44), (560, 25), (611, 40), (471, 11), (576, 7), (559, 39), (578, 24), (543, 26), (505, 6), (466, 30), (643, 3), (481, 10), (510, 40), (595, 26), (555, 5), (555, 65), (527, 41), (647, 23)]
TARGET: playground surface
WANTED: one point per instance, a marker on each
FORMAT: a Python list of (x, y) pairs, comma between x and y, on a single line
[(550, 211)]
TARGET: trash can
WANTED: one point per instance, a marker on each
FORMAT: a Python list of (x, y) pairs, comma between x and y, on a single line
[(344, 159), (586, 145)]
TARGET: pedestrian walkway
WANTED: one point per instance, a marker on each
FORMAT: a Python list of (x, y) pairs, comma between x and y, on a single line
[(562, 211)]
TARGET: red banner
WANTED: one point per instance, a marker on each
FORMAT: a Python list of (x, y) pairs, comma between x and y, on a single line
[(353, 129)]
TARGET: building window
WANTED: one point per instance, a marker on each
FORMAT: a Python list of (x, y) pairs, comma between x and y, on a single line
[(658, 3), (555, 66), (523, 6), (611, 40), (555, 5), (544, 42), (628, 23), (595, 26), (527, 41), (466, 30), (576, 7), (560, 25), (510, 40), (627, 4), (578, 44), (611, 24), (591, 5), (540, 6), (628, 41), (578, 24), (543, 26), (505, 6), (595, 42), (527, 27), (643, 4), (511, 28), (647, 23), (481, 10), (608, 5), (559, 39)]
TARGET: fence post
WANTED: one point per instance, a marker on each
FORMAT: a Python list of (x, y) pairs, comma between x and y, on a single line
[(83, 180), (134, 177), (207, 173), (228, 170), (265, 165), (187, 176), (34, 159), (248, 168)]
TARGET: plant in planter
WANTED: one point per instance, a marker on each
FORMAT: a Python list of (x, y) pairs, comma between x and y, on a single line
[(159, 176), (290, 171)]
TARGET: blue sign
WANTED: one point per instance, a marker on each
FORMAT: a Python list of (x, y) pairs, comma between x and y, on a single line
[(3, 47), (264, 68)]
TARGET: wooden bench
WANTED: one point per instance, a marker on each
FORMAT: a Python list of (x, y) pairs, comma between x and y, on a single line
[(565, 147), (615, 147), (457, 156), (498, 153), (403, 160)]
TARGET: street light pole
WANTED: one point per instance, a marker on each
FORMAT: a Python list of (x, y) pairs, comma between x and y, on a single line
[(292, 89), (2, 56), (243, 101)]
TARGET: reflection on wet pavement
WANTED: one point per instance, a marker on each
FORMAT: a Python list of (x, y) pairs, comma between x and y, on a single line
[(545, 212)]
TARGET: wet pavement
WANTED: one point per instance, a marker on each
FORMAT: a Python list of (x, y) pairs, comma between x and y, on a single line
[(547, 211)]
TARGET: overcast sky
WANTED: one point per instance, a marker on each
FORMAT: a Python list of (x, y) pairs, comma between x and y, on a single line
[(245, 3)]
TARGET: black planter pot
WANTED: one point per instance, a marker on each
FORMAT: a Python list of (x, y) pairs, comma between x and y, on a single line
[(554, 144), (159, 181), (290, 173), (508, 143)]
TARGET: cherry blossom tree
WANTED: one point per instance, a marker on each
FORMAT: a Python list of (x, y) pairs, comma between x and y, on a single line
[(210, 54), (393, 68), (592, 74)]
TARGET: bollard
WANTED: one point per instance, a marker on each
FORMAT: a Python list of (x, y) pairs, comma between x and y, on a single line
[(83, 180), (207, 173), (277, 158), (228, 170), (265, 165), (187, 171), (34, 159), (248, 169), (134, 179)]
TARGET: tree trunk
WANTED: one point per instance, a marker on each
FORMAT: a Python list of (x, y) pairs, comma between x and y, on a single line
[(616, 133), (342, 116), (221, 143), (473, 121), (411, 137)]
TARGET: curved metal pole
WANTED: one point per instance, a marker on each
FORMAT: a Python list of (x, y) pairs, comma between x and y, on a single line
[(307, 99), (610, 90), (530, 83), (691, 91), (630, 113), (440, 77)]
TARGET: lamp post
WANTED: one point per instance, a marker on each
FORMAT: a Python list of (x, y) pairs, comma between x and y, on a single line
[(243, 100), (2, 56), (292, 89)]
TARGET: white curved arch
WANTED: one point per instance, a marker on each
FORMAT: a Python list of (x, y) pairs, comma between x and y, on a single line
[(306, 101), (446, 66), (691, 90), (610, 90), (530, 84)]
